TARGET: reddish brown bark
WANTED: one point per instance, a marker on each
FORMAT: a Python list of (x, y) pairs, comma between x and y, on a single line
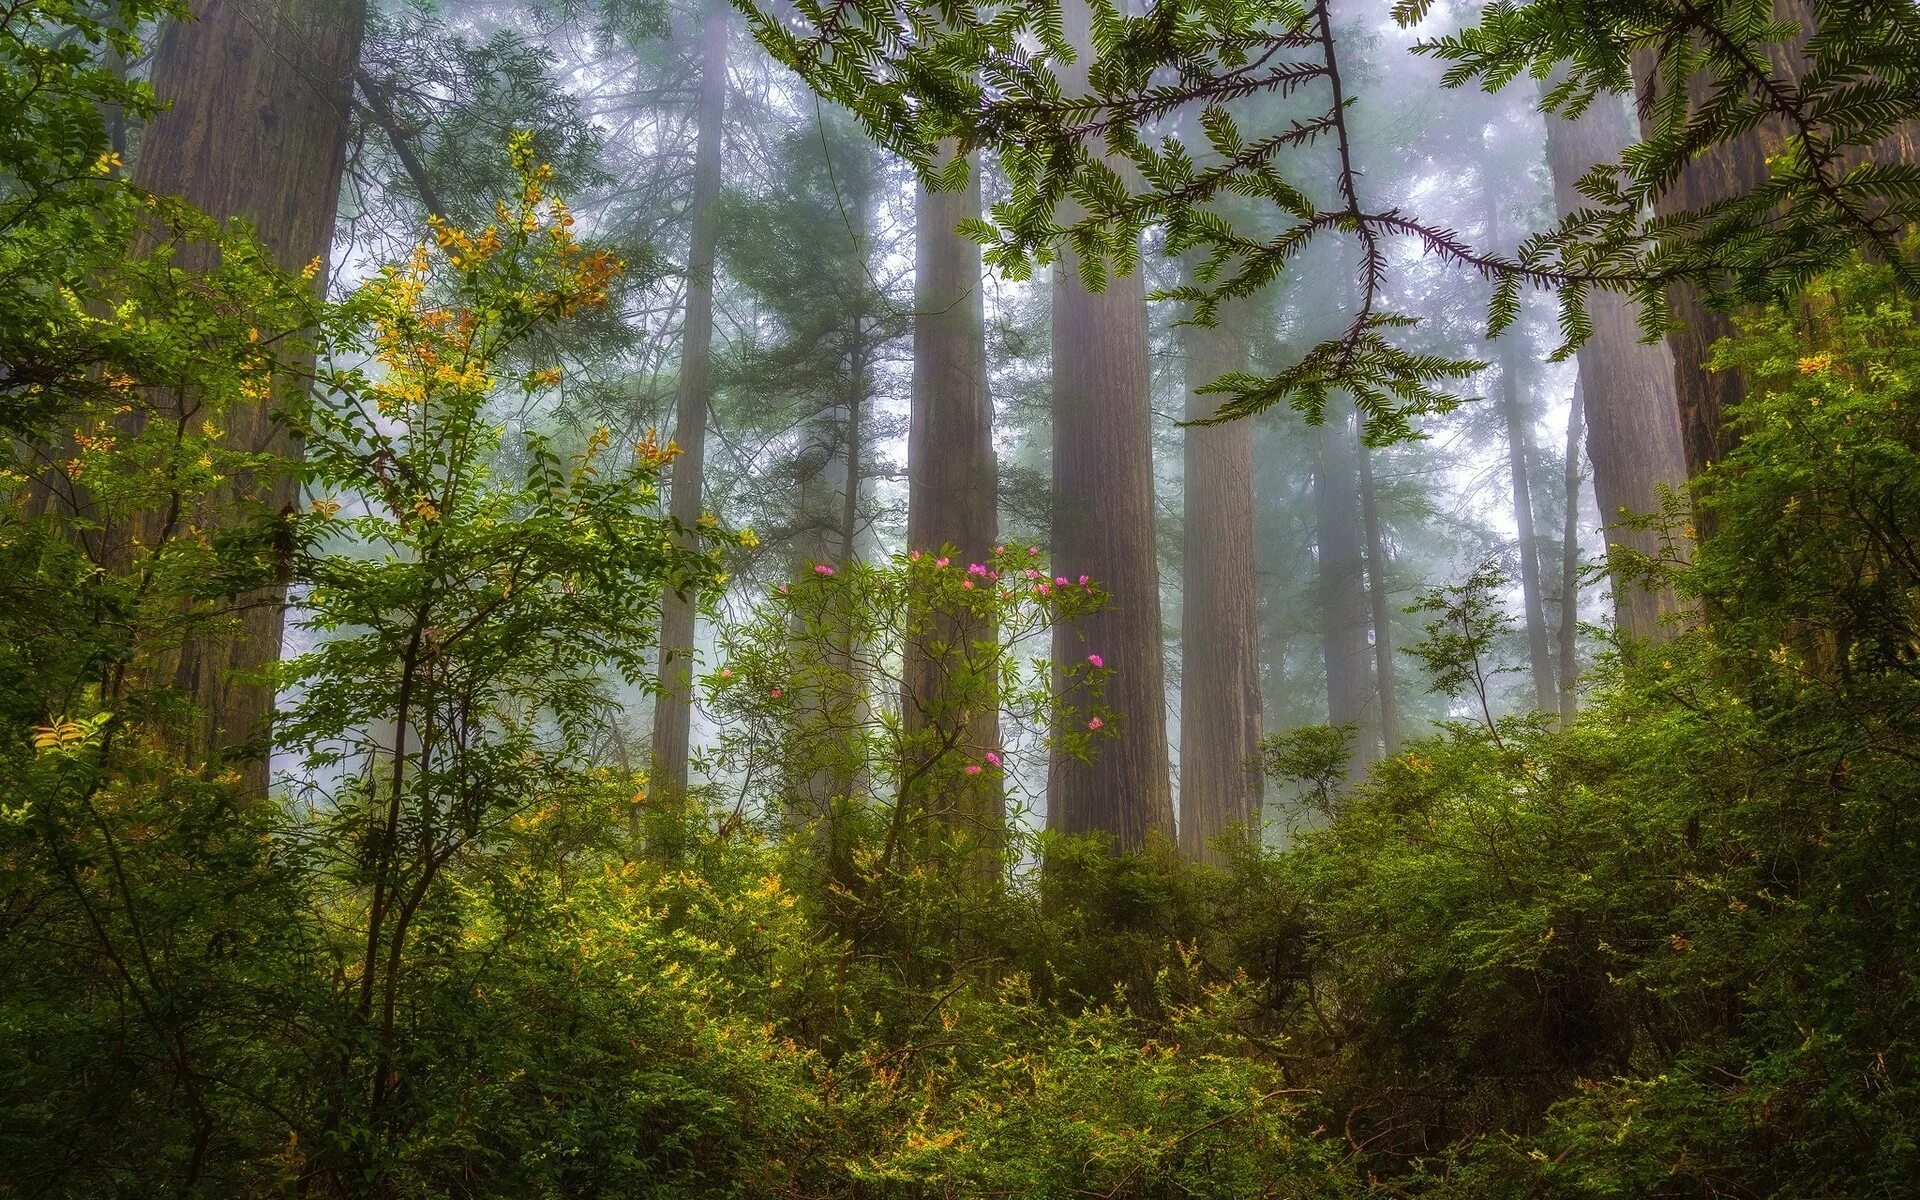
[(259, 92), (951, 492), (1220, 781), (1103, 526)]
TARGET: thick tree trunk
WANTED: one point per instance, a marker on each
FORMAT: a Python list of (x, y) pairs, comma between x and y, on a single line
[(1569, 648), (1103, 526), (1220, 779), (673, 706), (1518, 417), (259, 93), (1379, 606), (1340, 533), (1632, 414), (951, 498), (1730, 169)]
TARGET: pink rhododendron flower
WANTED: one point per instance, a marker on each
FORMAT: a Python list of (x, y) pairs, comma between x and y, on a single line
[(1096, 660), (1083, 581), (941, 561), (775, 693), (993, 757), (976, 569), (726, 672), (915, 556), (822, 569), (1061, 580), (999, 549), (1032, 550), (967, 584), (973, 768), (1095, 723)]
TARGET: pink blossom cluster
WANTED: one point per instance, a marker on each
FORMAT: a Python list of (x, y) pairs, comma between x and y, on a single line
[(993, 760)]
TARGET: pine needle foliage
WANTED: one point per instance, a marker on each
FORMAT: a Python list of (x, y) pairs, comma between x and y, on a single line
[(1152, 141), (1823, 88)]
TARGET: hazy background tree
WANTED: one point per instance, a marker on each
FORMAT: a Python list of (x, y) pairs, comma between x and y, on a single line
[(673, 706)]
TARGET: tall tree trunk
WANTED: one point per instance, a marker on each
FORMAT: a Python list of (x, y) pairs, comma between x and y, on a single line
[(1220, 780), (673, 706), (1632, 414), (1103, 525), (259, 93), (952, 501), (1339, 534), (1517, 414), (1733, 168), (1379, 606), (851, 703), (1569, 649)]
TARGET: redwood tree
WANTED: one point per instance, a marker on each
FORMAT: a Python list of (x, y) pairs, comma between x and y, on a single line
[(1627, 385), (1103, 526), (259, 93), (1219, 628), (951, 475)]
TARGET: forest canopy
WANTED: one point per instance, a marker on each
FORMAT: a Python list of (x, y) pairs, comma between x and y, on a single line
[(877, 598)]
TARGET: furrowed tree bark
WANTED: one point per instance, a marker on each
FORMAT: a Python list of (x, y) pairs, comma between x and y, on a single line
[(1732, 168), (1220, 780), (1632, 413), (1341, 584), (1103, 526), (1378, 606), (1569, 649), (951, 499), (673, 706), (260, 92)]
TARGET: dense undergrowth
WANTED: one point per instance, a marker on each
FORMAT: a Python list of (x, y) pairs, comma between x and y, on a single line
[(1668, 951)]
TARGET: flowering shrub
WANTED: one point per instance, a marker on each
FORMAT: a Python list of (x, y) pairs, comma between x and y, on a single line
[(470, 606), (813, 700)]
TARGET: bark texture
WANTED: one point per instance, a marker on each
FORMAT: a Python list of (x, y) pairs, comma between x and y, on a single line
[(673, 706), (951, 493), (1220, 780), (259, 94), (1103, 526), (1632, 411)]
